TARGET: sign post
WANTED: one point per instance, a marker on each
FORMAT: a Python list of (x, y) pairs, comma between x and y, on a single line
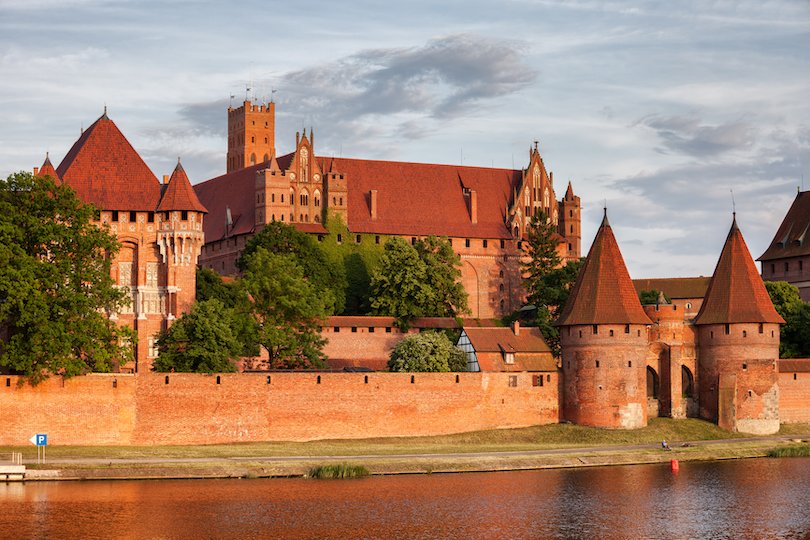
[(41, 440)]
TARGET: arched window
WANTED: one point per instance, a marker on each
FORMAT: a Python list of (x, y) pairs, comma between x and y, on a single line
[(527, 196), (317, 197), (292, 196), (546, 204), (303, 198), (652, 383), (266, 157), (253, 159), (687, 382)]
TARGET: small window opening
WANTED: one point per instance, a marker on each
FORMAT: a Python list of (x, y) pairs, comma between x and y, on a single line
[(597, 363), (745, 333), (8, 381), (354, 329), (133, 217), (268, 379), (166, 380), (745, 366), (466, 242), (728, 329), (115, 215), (377, 239), (611, 333), (336, 329), (485, 243), (365, 379), (339, 238), (595, 329), (456, 379), (370, 329), (761, 328), (357, 239), (626, 328), (412, 379), (502, 244), (319, 380), (387, 329), (629, 363), (794, 378), (219, 380), (115, 383), (750, 393), (150, 217)]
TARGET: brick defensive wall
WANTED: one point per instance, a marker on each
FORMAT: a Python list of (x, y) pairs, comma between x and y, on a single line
[(180, 408)]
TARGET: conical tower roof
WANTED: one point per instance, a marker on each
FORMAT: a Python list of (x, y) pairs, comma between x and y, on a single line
[(604, 292), (736, 292), (48, 170), (179, 194), (104, 169)]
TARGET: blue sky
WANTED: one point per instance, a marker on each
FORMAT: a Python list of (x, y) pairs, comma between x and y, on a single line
[(659, 109)]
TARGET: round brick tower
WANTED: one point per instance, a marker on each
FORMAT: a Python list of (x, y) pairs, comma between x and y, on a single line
[(603, 335), (738, 338)]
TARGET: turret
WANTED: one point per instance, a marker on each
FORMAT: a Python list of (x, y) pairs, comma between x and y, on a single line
[(180, 239), (569, 224), (738, 336), (47, 169), (603, 334)]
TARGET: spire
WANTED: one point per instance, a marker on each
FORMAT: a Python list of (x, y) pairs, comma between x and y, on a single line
[(604, 292), (736, 293), (179, 194), (47, 168), (104, 116), (569, 193)]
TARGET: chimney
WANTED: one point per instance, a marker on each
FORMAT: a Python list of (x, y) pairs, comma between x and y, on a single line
[(373, 199), (165, 179), (473, 206), (36, 171), (516, 328)]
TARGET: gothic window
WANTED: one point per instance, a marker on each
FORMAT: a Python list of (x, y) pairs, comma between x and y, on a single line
[(253, 159), (545, 199), (527, 196), (303, 198), (317, 197), (292, 196), (536, 175), (304, 165), (151, 274)]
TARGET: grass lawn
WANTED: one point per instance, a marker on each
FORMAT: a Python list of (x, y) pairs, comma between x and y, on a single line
[(522, 439)]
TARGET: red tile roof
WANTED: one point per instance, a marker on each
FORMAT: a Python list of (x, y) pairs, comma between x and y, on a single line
[(48, 170), (736, 292), (788, 365), (675, 288), (179, 194), (104, 169), (500, 339), (792, 239), (423, 199), (235, 191), (603, 292)]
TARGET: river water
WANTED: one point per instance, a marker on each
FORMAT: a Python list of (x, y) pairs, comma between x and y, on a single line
[(762, 498)]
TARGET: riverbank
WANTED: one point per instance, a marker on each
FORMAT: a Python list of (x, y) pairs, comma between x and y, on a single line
[(539, 447)]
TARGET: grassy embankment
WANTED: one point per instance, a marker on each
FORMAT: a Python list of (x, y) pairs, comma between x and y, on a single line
[(556, 445)]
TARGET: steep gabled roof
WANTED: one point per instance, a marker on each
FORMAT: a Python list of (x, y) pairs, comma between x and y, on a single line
[(603, 293), (792, 239), (675, 288), (104, 169), (736, 292), (179, 194), (48, 170), (423, 198)]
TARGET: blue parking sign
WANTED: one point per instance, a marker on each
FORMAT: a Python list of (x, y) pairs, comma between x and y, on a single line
[(42, 439)]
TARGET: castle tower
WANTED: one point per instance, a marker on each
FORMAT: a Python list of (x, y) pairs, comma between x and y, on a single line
[(251, 135), (179, 241), (570, 224), (603, 334), (272, 195), (47, 169), (738, 337)]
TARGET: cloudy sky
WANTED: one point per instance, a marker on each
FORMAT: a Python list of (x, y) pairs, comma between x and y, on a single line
[(658, 109)]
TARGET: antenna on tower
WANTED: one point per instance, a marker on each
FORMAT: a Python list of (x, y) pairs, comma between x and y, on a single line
[(247, 91), (272, 91), (733, 204), (231, 105)]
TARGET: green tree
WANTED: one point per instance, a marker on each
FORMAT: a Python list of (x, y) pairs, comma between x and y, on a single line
[(547, 281), (400, 287), (289, 310), (418, 281), (55, 285), (233, 296), (200, 341), (324, 272), (650, 297), (795, 333), (449, 299), (427, 351)]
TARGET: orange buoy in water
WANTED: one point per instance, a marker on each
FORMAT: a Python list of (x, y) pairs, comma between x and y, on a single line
[(674, 465)]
